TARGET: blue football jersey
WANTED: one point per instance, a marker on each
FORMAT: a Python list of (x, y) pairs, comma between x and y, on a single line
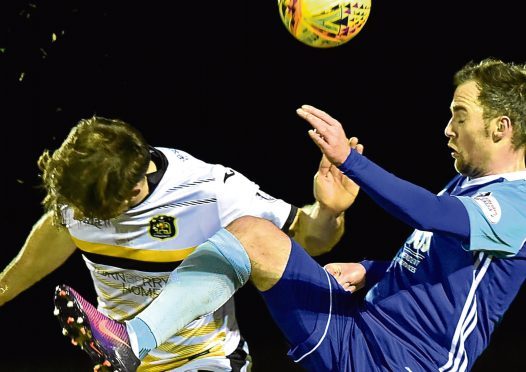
[(441, 298)]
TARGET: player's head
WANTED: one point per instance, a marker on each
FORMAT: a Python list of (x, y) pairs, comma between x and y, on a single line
[(489, 110), (95, 169), (502, 92)]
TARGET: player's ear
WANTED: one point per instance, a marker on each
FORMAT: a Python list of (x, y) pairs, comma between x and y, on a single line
[(136, 191), (503, 128)]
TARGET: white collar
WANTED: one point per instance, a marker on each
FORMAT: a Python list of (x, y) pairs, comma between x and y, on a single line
[(511, 176)]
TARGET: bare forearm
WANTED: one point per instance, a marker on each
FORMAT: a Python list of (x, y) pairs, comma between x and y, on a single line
[(317, 229), (18, 276), (45, 249)]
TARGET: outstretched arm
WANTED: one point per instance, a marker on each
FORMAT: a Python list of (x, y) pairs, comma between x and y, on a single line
[(410, 203), (45, 249), (319, 226)]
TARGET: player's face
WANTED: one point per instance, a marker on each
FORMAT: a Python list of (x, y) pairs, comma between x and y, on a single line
[(139, 192), (469, 136)]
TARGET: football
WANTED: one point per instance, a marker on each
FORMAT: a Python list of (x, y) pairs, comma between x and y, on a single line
[(324, 23)]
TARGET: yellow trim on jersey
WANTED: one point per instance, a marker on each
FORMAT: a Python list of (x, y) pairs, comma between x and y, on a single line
[(208, 349), (133, 253)]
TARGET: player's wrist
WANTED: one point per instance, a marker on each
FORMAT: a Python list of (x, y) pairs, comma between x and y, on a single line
[(3, 293), (328, 211)]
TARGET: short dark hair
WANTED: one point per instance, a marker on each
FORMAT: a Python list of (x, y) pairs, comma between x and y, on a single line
[(502, 92)]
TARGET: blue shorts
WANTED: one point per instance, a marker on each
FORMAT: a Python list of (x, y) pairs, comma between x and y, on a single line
[(325, 325), (314, 313)]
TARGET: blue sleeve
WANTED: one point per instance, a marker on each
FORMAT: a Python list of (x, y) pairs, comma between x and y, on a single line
[(497, 215), (414, 205), (374, 271)]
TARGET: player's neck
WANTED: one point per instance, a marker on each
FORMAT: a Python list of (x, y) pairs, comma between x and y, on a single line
[(508, 163)]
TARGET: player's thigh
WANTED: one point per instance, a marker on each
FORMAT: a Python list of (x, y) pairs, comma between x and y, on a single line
[(312, 310), (267, 247)]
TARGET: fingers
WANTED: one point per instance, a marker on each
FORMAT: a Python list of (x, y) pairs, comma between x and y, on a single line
[(325, 166), (334, 269), (318, 139), (320, 114), (327, 134), (325, 128), (351, 276), (318, 133), (353, 142), (321, 124), (359, 148)]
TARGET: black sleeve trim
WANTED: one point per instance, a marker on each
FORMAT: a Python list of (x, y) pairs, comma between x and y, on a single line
[(290, 218)]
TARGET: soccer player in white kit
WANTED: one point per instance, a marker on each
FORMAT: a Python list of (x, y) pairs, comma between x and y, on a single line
[(137, 211)]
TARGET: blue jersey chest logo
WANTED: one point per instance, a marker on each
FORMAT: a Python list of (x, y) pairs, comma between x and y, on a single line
[(414, 250)]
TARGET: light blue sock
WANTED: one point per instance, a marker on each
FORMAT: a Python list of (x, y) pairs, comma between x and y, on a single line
[(202, 283), (142, 339)]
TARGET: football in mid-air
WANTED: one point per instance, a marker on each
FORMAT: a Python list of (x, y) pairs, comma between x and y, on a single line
[(324, 23)]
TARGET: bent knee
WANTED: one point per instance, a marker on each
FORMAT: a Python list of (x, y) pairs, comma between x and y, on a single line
[(267, 247), (251, 226), (257, 232)]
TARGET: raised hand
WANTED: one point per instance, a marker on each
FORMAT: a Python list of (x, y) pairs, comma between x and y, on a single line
[(327, 134), (332, 189)]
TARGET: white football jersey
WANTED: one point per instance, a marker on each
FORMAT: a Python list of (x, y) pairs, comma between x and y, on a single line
[(130, 257)]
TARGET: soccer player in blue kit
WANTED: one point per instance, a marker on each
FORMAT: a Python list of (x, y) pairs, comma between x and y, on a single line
[(436, 304)]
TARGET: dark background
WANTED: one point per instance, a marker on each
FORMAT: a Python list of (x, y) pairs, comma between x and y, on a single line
[(222, 80)]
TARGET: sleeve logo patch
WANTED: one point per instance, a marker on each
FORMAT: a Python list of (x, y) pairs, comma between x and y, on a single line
[(489, 206)]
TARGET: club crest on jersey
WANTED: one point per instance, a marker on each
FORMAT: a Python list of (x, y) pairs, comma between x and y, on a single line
[(489, 206), (163, 227)]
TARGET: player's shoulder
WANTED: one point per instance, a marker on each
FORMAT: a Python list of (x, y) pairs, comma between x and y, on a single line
[(507, 197), (513, 189), (496, 191), (184, 160), (173, 153), (181, 159)]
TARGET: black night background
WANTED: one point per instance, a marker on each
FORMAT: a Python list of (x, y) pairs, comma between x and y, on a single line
[(222, 80)]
